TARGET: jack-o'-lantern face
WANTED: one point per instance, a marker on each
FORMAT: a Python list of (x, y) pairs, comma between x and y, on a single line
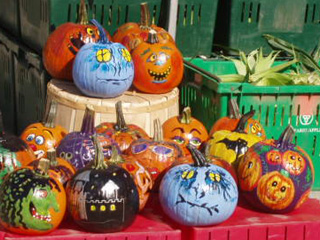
[(255, 127), (274, 157), (293, 162), (275, 190), (249, 171)]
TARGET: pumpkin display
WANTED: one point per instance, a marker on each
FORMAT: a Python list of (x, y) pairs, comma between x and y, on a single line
[(198, 194), (132, 34), (158, 66), (276, 176), (44, 135), (31, 202), (60, 168), (64, 43), (230, 122), (185, 130), (103, 69), (156, 155), (123, 134), (102, 197), (232, 145)]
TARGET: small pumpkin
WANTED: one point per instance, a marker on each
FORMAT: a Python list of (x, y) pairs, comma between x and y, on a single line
[(185, 130), (132, 34), (232, 145), (198, 194), (44, 135), (230, 122), (123, 134), (158, 66), (103, 69), (31, 202), (102, 197), (276, 176), (64, 43)]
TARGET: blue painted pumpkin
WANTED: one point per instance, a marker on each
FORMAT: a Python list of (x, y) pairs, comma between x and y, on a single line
[(104, 69), (198, 194)]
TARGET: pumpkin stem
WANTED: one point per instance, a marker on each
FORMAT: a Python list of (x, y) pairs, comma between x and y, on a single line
[(2, 133), (102, 33), (115, 156), (186, 116), (50, 115), (243, 120), (43, 166), (144, 15), (99, 162), (88, 121), (286, 138), (198, 158), (52, 156), (121, 123), (158, 133), (83, 15), (234, 109), (152, 37)]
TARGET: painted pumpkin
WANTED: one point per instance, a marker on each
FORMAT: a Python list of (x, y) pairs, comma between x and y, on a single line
[(122, 133), (102, 197), (230, 122), (185, 130), (103, 69), (155, 155), (275, 175), (132, 34), (64, 43), (232, 145), (44, 135), (31, 202), (158, 66), (198, 194)]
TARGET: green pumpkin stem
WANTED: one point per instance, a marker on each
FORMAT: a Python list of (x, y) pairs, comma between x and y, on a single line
[(158, 133), (243, 120), (116, 158), (198, 158), (83, 15), (50, 115), (286, 138), (88, 121), (144, 16), (103, 36), (234, 109), (121, 123), (52, 156), (99, 162), (2, 133), (43, 166), (186, 116), (152, 37)]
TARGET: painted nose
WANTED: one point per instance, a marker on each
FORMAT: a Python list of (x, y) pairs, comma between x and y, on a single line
[(33, 147)]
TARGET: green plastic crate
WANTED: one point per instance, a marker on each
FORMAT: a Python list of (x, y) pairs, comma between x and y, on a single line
[(40, 17), (30, 88), (241, 23), (8, 52), (275, 106), (10, 16)]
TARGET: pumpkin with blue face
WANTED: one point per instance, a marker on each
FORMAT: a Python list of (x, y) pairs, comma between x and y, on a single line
[(103, 69), (198, 194)]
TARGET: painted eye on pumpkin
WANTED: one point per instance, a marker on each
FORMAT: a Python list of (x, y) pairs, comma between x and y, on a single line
[(139, 148), (104, 55), (187, 174), (258, 126), (162, 150), (215, 177), (39, 140), (152, 58), (253, 129), (30, 137), (90, 31), (274, 183), (40, 193), (112, 207), (126, 55), (195, 141), (178, 139)]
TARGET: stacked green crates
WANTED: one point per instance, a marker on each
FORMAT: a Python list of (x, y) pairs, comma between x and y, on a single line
[(10, 16)]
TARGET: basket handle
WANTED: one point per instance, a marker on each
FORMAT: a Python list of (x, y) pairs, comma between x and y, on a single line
[(200, 70)]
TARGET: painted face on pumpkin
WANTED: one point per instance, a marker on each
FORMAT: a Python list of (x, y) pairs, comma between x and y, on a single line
[(293, 162), (184, 138), (274, 157), (81, 37), (255, 127)]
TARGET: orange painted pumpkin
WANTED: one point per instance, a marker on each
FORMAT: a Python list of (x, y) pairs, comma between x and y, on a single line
[(158, 66), (44, 135), (230, 122), (184, 130), (123, 134), (132, 34)]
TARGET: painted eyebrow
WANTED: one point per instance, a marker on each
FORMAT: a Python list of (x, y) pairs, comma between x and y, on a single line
[(48, 132), (195, 130), (145, 52), (178, 128)]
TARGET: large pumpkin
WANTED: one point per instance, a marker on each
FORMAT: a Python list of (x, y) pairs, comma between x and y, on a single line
[(102, 197), (64, 43), (44, 135), (158, 66), (230, 122), (275, 175), (198, 194), (232, 145), (185, 130), (123, 134), (103, 69), (31, 202)]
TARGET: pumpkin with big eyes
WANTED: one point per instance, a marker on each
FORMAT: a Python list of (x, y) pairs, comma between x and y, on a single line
[(293, 162), (274, 157)]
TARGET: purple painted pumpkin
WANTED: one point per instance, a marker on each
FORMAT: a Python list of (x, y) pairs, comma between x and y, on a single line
[(275, 175)]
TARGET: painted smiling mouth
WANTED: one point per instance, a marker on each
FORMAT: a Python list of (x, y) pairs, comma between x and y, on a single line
[(35, 214), (159, 77)]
